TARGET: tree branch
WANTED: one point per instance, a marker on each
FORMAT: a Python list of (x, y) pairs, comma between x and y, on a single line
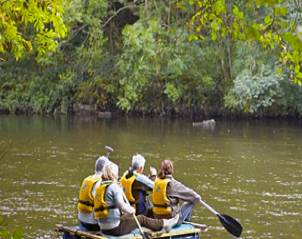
[(117, 12)]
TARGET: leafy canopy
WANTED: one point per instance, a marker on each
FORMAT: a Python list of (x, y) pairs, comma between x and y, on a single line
[(28, 24), (272, 23)]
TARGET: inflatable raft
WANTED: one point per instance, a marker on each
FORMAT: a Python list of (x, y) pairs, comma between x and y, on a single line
[(184, 231)]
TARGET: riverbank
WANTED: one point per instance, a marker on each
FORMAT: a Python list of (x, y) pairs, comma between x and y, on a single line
[(82, 110)]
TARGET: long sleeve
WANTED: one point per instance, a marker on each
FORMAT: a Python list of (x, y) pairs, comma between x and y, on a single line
[(95, 186), (120, 202), (145, 180), (180, 191)]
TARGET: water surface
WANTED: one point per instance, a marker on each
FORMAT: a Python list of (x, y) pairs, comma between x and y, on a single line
[(250, 170)]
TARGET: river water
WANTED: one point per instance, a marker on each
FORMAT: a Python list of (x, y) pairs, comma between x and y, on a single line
[(250, 170)]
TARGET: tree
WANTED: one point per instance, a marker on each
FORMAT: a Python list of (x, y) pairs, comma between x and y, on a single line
[(160, 71), (30, 24), (272, 23)]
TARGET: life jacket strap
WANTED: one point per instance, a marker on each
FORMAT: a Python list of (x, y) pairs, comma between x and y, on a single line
[(133, 202), (102, 208), (86, 203), (161, 205)]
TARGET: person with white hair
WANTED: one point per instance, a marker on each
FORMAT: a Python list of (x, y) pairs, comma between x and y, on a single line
[(114, 214), (86, 202), (136, 185)]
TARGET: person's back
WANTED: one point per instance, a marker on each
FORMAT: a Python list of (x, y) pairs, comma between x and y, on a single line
[(136, 185), (105, 210), (161, 203), (86, 201), (170, 197)]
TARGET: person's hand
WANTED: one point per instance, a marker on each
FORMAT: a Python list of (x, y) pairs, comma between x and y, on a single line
[(132, 210), (198, 199), (153, 171)]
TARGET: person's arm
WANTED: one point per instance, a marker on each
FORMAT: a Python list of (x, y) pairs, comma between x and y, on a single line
[(182, 192), (93, 192), (120, 202), (153, 174), (145, 180)]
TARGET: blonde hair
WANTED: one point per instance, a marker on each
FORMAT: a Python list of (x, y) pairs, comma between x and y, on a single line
[(110, 172)]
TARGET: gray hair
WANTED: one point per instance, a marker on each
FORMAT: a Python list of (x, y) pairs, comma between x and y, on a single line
[(100, 163), (110, 172), (138, 161)]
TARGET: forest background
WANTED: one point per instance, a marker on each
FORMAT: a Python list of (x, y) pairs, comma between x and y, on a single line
[(169, 57)]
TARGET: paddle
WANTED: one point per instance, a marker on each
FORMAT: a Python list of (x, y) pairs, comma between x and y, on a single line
[(135, 218), (229, 223), (108, 150)]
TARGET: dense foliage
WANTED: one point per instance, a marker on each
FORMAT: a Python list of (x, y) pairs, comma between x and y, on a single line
[(271, 23), (27, 24), (160, 57)]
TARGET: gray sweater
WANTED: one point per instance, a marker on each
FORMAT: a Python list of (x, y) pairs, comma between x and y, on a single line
[(177, 192), (113, 196)]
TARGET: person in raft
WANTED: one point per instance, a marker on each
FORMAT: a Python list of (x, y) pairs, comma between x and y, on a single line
[(109, 203), (85, 203), (136, 185), (170, 197)]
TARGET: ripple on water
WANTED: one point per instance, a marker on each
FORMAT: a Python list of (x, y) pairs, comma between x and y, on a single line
[(241, 209), (239, 191), (28, 182), (276, 195), (287, 184), (23, 154), (54, 209), (282, 213)]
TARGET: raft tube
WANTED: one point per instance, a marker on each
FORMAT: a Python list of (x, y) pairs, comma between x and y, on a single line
[(184, 231)]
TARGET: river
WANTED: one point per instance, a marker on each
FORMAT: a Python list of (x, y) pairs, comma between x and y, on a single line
[(250, 170)]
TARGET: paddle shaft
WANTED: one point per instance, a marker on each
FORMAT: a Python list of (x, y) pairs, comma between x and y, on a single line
[(61, 228), (229, 223), (109, 150), (212, 210), (135, 218), (139, 225)]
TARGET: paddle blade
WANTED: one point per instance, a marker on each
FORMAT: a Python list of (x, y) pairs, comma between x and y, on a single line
[(230, 224)]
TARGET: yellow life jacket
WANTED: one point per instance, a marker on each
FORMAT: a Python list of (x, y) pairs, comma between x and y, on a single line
[(101, 208), (161, 203), (85, 203), (127, 187)]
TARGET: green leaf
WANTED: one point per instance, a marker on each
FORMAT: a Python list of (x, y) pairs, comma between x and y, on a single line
[(213, 36), (281, 11), (267, 20), (193, 37)]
